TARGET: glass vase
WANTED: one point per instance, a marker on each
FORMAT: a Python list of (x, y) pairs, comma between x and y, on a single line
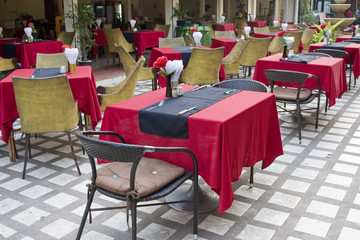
[(285, 52), (353, 34), (168, 86)]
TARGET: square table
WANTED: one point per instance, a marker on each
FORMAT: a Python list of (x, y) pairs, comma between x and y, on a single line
[(343, 38), (146, 39), (233, 133), (4, 43), (224, 42), (330, 71), (100, 39), (83, 88), (224, 27), (257, 24)]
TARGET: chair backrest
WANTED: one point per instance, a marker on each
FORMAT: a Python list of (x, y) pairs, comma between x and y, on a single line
[(231, 61), (115, 35), (126, 59), (297, 39), (255, 49), (165, 28), (225, 34), (212, 32), (276, 46), (317, 54), (334, 53), (52, 60), (45, 104), (59, 24), (261, 29), (274, 28), (243, 84), (203, 66), (190, 40), (306, 38), (67, 38), (172, 42), (241, 22), (7, 64)]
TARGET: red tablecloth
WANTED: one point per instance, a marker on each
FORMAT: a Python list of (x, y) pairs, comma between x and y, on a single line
[(257, 24), (292, 29), (82, 85), (223, 42), (172, 54), (5, 41), (266, 35), (26, 52), (353, 49), (226, 27), (147, 39), (100, 39), (343, 38), (331, 72), (231, 134)]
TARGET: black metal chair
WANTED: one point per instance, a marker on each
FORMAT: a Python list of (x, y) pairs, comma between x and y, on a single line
[(248, 85), (317, 54), (352, 40), (136, 182), (294, 95)]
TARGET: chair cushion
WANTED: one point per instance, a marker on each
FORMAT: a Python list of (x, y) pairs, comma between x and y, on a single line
[(151, 175), (289, 94)]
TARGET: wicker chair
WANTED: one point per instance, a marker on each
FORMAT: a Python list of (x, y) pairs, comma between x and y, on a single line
[(297, 40), (203, 67), (274, 28), (171, 42), (255, 49), (51, 109), (231, 61), (123, 90), (154, 186), (7, 66), (67, 38), (190, 40), (306, 38), (114, 35), (261, 29), (144, 73), (225, 34), (165, 28), (276, 46), (294, 95), (52, 60), (212, 32), (240, 23)]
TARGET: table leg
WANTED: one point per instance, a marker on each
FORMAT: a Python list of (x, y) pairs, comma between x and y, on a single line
[(12, 149)]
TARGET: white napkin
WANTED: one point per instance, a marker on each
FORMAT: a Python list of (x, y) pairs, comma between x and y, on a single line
[(71, 54), (247, 30), (213, 17), (284, 26), (1, 29), (327, 32), (222, 19), (28, 31), (98, 22), (197, 36), (276, 23), (175, 66), (289, 41), (132, 22), (242, 37)]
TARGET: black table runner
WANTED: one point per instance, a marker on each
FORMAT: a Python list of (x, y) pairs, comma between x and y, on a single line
[(46, 72), (185, 54), (300, 58), (337, 46)]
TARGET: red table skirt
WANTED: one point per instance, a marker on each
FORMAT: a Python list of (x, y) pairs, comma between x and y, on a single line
[(343, 38), (226, 27), (147, 39), (100, 40), (223, 42)]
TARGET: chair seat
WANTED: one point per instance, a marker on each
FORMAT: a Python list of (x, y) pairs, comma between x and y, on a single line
[(151, 175), (289, 94)]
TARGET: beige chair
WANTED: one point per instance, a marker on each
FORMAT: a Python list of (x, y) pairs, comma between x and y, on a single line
[(165, 28), (212, 32), (276, 46), (123, 90), (231, 61), (261, 29), (113, 36), (225, 34), (67, 38), (255, 49), (59, 24), (190, 40), (171, 42), (7, 66), (203, 67), (297, 37), (45, 105), (274, 28), (306, 38), (240, 23), (144, 73), (52, 60)]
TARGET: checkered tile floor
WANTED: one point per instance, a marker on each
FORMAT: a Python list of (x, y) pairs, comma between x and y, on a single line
[(311, 192)]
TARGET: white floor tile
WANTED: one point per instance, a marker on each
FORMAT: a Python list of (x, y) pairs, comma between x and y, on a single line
[(313, 226)]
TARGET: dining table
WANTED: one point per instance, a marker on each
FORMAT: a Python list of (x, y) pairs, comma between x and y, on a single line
[(7, 48), (253, 24), (224, 27), (343, 38), (176, 53), (224, 42), (330, 71), (100, 40), (226, 136), (83, 87)]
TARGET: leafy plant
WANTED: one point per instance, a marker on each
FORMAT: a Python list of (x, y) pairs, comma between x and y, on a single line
[(83, 17), (319, 36), (181, 14)]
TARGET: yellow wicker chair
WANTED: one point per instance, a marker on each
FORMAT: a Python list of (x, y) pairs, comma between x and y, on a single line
[(144, 73), (255, 49), (190, 40), (225, 34), (115, 35), (67, 38), (52, 60), (121, 91), (203, 67), (165, 28), (6, 66), (276, 46), (171, 42), (232, 61), (274, 29), (297, 36), (306, 39), (45, 105), (212, 32), (240, 23), (261, 29)]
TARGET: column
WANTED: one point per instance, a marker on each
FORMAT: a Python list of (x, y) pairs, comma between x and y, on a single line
[(202, 8), (68, 6), (219, 9), (169, 4)]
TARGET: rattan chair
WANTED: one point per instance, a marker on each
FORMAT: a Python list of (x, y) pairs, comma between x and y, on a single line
[(306, 39), (317, 54), (165, 28), (276, 46), (212, 32), (67, 38), (203, 67), (352, 40), (261, 29), (140, 180), (144, 73), (190, 40), (171, 42), (123, 90), (274, 28), (231, 62), (52, 60), (45, 105), (7, 66), (297, 39), (294, 95), (225, 34), (240, 23)]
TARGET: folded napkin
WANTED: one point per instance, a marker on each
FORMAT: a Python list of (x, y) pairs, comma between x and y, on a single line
[(132, 22), (213, 17), (276, 23), (175, 66), (1, 29), (98, 22), (290, 41), (222, 19), (71, 54), (197, 36), (284, 26), (247, 30), (28, 31)]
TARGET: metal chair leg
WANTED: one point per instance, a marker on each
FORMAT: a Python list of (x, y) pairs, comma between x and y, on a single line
[(251, 177), (133, 219), (86, 211), (73, 153), (26, 154)]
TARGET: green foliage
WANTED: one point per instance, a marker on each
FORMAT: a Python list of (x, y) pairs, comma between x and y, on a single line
[(310, 18), (319, 36), (181, 14), (83, 17)]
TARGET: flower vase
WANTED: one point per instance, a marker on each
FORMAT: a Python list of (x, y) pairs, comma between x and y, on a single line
[(168, 87), (30, 39), (353, 34), (285, 52), (198, 44)]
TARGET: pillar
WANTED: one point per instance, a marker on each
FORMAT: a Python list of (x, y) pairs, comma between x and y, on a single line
[(68, 6)]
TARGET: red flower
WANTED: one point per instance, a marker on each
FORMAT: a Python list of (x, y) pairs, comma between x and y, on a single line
[(160, 62), (281, 33), (30, 24), (137, 19), (323, 26), (193, 30), (353, 27), (249, 14), (223, 14), (280, 21)]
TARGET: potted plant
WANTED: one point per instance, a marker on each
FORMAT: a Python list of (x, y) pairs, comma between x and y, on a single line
[(83, 17), (181, 15)]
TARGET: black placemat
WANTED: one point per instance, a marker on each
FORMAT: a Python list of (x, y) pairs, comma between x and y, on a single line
[(185, 54), (46, 72), (300, 58), (165, 121), (338, 45), (129, 36)]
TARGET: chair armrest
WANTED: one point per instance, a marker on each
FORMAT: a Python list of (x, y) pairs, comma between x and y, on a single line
[(105, 133)]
